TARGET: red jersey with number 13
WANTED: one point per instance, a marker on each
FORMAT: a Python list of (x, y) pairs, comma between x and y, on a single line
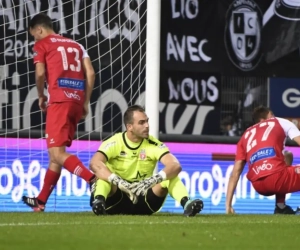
[(262, 146), (64, 72)]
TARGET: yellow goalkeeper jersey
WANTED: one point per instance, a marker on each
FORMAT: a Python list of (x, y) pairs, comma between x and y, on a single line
[(132, 161)]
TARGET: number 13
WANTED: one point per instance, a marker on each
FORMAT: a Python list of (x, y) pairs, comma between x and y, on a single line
[(64, 58), (252, 143)]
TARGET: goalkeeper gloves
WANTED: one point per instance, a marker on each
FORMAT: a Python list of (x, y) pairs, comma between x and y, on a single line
[(141, 188), (123, 186)]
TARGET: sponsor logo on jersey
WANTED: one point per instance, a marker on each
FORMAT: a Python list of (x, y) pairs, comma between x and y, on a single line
[(265, 166), (161, 146), (261, 154), (35, 53), (288, 9), (62, 40), (71, 83), (73, 95), (243, 34), (143, 154), (123, 153)]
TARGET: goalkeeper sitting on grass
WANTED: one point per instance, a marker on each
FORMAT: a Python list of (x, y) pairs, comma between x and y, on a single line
[(126, 162)]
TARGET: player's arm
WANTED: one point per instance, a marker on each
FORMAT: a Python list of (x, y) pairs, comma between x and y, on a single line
[(40, 78), (171, 169), (290, 130), (172, 166), (233, 180), (89, 75), (39, 60), (97, 165), (238, 168)]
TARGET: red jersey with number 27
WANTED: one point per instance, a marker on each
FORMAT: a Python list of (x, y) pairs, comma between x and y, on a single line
[(262, 146), (64, 72)]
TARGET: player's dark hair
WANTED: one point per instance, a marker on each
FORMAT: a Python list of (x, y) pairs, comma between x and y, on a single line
[(128, 115), (260, 112), (41, 19)]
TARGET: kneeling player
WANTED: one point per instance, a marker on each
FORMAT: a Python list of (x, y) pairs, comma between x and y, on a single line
[(126, 162), (270, 170)]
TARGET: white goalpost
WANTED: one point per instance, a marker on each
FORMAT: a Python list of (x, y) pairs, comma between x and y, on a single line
[(153, 64), (116, 34)]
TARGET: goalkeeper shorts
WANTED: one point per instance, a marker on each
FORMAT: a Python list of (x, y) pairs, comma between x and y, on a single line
[(119, 203)]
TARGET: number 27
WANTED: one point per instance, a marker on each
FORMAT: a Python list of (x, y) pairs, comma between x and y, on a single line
[(250, 134)]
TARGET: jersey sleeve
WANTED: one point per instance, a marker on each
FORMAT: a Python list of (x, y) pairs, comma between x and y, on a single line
[(240, 151), (109, 148), (289, 128), (39, 53), (84, 52), (159, 149)]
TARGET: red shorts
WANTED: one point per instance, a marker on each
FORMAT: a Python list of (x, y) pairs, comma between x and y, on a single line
[(283, 182), (61, 123)]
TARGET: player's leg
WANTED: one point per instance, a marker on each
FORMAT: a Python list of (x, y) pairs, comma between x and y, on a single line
[(72, 163), (103, 189), (61, 122), (50, 181), (60, 128), (281, 183), (151, 202), (108, 199), (289, 182), (156, 196), (280, 206), (178, 192)]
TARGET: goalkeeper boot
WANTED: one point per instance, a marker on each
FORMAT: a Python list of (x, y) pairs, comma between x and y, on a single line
[(34, 204), (193, 207), (99, 205), (286, 210)]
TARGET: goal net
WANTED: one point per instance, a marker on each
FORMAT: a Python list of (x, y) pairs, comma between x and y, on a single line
[(114, 34)]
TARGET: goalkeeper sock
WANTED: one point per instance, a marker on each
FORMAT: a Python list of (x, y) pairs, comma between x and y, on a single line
[(50, 181), (183, 201), (175, 188), (75, 166), (103, 188)]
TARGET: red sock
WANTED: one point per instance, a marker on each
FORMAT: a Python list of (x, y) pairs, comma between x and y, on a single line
[(50, 181), (75, 166), (280, 198)]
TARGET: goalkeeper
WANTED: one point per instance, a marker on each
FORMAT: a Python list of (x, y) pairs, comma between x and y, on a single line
[(125, 163)]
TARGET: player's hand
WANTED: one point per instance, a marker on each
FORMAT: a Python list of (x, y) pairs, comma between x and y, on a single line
[(43, 102), (230, 210), (85, 111), (123, 186), (141, 188)]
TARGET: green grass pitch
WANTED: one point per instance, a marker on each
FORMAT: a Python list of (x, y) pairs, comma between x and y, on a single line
[(78, 231)]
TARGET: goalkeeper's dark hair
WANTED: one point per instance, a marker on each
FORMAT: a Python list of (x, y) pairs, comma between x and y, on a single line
[(260, 112), (42, 20), (128, 115)]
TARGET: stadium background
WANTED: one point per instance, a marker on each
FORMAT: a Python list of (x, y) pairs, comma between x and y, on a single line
[(207, 90)]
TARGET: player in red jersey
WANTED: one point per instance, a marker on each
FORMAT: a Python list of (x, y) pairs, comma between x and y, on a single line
[(70, 76), (270, 173)]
